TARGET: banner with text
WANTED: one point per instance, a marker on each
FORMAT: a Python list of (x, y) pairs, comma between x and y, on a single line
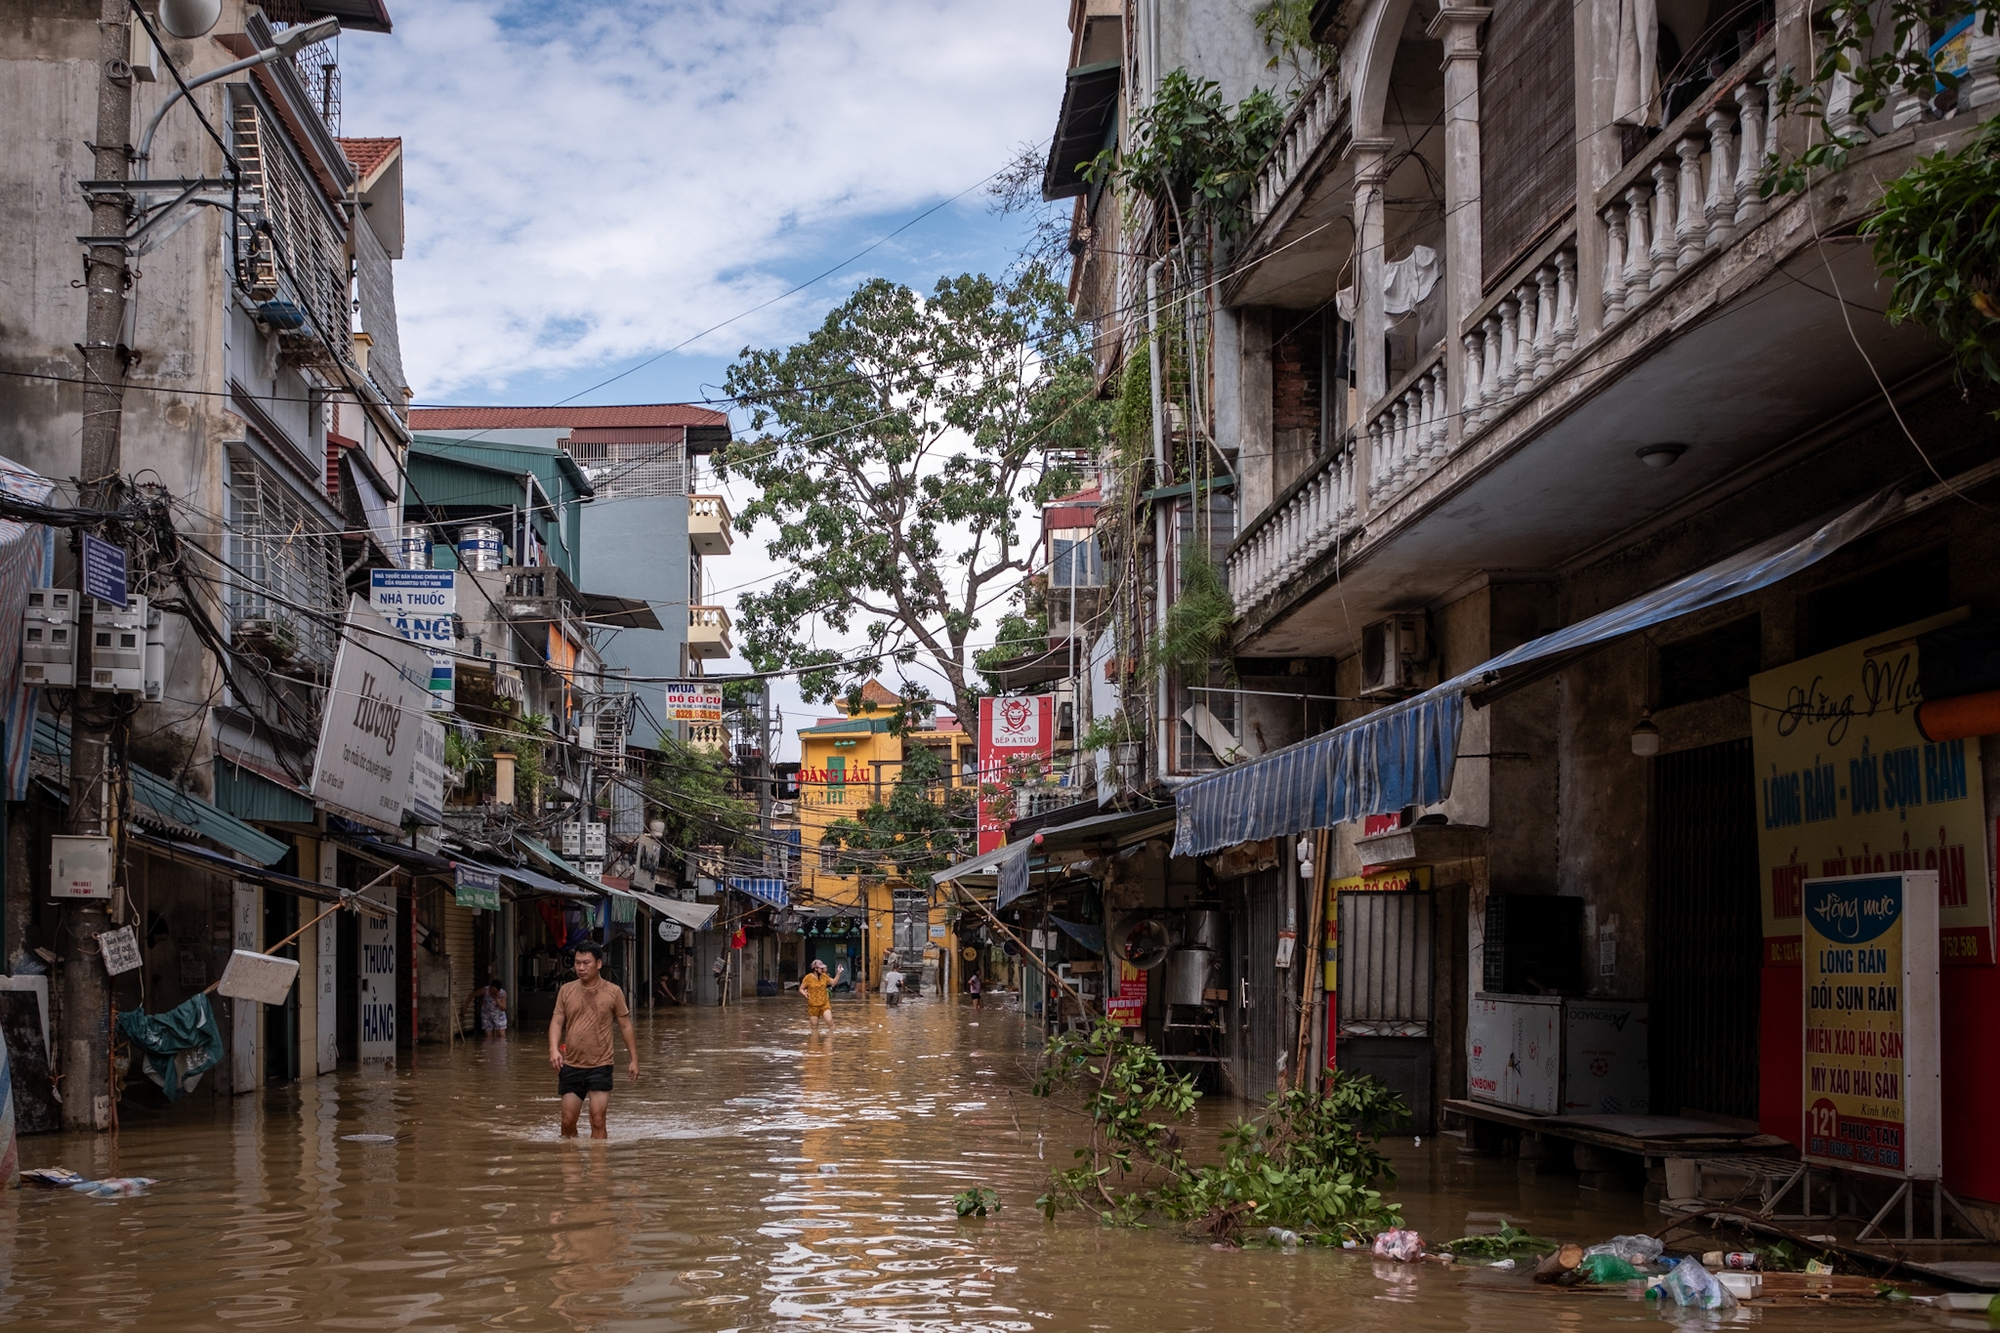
[(1846, 785), (693, 701), (420, 604), (1013, 733)]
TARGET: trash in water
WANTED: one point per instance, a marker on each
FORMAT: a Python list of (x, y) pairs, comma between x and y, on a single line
[(1279, 1236), (828, 1169), (1692, 1285), (1744, 1260), (1607, 1270), (1632, 1249), (116, 1187), (1504, 1265), (1819, 1267), (51, 1177), (1403, 1246), (369, 1138)]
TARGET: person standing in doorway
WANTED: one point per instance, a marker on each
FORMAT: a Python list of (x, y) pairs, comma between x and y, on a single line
[(817, 987), (581, 1049), (972, 987), (493, 1009)]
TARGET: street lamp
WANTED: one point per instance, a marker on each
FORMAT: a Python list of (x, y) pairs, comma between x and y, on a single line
[(288, 43)]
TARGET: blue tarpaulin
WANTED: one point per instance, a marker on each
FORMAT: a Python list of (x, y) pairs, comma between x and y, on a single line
[(771, 891), (1403, 755)]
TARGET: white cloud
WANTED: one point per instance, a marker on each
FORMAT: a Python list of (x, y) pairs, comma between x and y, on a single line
[(587, 183)]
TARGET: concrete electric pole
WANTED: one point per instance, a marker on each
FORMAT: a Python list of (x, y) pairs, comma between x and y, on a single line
[(86, 1011)]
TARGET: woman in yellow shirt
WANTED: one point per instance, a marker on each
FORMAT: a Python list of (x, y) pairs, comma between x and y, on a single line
[(817, 987)]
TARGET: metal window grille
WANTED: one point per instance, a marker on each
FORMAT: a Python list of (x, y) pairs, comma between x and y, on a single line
[(285, 563), (627, 469), (303, 260)]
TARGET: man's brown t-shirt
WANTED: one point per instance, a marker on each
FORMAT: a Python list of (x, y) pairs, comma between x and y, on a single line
[(589, 1014)]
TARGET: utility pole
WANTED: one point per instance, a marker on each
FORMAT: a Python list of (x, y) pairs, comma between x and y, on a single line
[(86, 1048)]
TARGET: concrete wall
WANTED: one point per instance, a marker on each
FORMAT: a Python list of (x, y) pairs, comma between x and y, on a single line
[(639, 548)]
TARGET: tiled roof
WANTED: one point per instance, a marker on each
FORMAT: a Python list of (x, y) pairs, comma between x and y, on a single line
[(368, 154), (517, 418)]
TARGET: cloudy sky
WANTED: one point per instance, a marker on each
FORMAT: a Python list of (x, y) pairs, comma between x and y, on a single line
[(593, 187)]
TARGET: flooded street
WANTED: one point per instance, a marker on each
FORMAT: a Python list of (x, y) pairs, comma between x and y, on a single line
[(753, 1181)]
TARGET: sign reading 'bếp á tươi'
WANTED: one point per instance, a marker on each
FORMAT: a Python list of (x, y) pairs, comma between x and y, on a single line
[(1847, 785)]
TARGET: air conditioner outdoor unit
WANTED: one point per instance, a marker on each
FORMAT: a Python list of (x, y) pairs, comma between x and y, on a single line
[(1394, 656), (779, 808)]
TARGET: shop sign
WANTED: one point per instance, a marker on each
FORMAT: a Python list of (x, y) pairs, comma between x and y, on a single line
[(419, 604), (1128, 1005), (692, 701), (1870, 974), (369, 724), (427, 772), (1009, 730), (1847, 785), (378, 989), (476, 888)]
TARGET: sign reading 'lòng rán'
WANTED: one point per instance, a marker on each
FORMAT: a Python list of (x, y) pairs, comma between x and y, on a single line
[(1847, 785), (1871, 1024)]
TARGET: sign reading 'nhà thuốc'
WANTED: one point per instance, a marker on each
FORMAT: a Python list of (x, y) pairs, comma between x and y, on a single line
[(1847, 785)]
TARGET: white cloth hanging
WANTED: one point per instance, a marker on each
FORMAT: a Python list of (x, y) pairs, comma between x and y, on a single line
[(1636, 95), (1405, 282)]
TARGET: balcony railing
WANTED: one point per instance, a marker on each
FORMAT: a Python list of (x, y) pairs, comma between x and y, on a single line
[(1693, 189), (1526, 328), (1319, 109), (708, 525), (708, 632), (1306, 520), (1409, 433)]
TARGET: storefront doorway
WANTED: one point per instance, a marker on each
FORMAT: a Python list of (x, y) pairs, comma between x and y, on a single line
[(1707, 933)]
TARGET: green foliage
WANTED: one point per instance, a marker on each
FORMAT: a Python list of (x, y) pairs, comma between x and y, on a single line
[(977, 1202), (1105, 732), (693, 791), (1937, 238), (1883, 52), (1286, 27), (526, 738), (1197, 625), (891, 450), (1132, 419), (1017, 636), (1310, 1163), (1506, 1243), (924, 825), (1192, 148)]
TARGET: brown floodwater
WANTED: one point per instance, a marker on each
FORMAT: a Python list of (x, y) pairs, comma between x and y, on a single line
[(755, 1179)]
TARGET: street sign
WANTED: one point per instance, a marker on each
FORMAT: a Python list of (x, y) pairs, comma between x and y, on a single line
[(476, 888), (104, 570)]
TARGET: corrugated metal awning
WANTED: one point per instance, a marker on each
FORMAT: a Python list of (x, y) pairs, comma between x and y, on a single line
[(695, 916), (1404, 755)]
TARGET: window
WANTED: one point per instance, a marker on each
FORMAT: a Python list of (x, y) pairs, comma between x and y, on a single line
[(1713, 664), (284, 576), (1075, 563), (836, 780), (829, 856)]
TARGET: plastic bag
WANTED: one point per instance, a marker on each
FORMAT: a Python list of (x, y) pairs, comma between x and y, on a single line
[(1607, 1269), (1406, 1246), (1279, 1236), (1633, 1250), (115, 1187), (1692, 1285)]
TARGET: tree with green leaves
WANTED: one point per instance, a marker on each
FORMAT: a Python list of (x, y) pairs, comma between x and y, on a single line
[(925, 825), (693, 791), (893, 450)]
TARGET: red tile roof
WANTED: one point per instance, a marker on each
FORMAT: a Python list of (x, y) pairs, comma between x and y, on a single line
[(517, 418), (369, 154)]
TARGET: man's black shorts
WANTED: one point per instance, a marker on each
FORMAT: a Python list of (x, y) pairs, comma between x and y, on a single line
[(574, 1082)]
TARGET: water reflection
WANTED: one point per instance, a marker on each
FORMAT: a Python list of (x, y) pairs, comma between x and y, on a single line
[(756, 1179)]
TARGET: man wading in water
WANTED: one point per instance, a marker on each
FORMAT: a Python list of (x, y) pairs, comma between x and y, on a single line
[(818, 990), (580, 1045)]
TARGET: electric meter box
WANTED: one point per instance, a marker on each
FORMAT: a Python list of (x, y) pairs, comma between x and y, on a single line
[(79, 866), (48, 639), (118, 648), (593, 842)]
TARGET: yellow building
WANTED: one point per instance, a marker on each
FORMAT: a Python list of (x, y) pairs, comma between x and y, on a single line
[(847, 764)]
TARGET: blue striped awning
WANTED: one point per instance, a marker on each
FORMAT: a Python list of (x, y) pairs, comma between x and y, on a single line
[(1403, 755), (772, 891)]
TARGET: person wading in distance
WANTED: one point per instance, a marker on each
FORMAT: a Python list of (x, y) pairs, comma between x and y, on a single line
[(581, 1049), (818, 990)]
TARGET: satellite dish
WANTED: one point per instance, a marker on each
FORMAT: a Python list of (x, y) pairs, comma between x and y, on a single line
[(189, 18), (670, 930), (1143, 941)]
